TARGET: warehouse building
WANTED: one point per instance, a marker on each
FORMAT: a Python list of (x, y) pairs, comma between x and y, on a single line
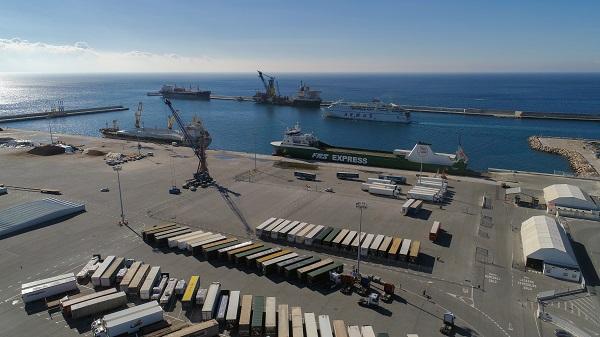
[(547, 248), (570, 201)]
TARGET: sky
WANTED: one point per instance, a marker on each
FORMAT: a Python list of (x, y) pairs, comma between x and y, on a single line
[(71, 36)]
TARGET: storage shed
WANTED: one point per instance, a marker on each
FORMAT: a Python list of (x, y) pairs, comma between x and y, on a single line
[(567, 196)]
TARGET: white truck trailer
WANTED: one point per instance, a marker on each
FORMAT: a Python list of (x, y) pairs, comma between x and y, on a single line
[(384, 191), (233, 307), (325, 326), (42, 290), (167, 295), (101, 269), (209, 306), (128, 321), (270, 316), (99, 304), (151, 279)]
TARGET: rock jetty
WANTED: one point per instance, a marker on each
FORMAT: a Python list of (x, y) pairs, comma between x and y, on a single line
[(578, 163)]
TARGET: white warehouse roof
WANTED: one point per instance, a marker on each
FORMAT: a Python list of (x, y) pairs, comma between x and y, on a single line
[(544, 239), (568, 196), (33, 213)]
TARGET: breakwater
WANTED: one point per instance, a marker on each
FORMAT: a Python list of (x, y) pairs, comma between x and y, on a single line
[(578, 163), (60, 113)]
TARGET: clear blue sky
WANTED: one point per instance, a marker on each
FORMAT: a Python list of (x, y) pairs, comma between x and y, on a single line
[(398, 36)]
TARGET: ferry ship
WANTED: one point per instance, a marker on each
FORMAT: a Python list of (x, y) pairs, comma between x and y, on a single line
[(175, 92), (376, 111), (297, 144)]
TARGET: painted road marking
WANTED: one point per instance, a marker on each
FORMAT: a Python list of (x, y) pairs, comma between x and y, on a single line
[(492, 278)]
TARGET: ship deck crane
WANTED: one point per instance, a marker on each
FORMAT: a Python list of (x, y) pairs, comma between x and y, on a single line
[(270, 88), (201, 177)]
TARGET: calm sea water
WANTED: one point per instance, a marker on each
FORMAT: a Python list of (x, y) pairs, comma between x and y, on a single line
[(245, 126)]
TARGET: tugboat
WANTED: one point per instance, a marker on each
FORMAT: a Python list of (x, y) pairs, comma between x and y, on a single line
[(297, 144), (175, 92)]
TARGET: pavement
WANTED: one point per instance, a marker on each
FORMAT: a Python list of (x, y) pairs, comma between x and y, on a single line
[(479, 274)]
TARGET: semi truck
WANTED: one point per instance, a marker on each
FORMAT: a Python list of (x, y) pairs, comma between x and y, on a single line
[(128, 321), (98, 305), (384, 191)]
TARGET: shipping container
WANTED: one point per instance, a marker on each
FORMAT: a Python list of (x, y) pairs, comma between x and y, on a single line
[(301, 235), (128, 321), (65, 305), (403, 253), (210, 305), (322, 274), (251, 259), (364, 248), (301, 273), (282, 264), (180, 287), (283, 321), (375, 244), (190, 291), (183, 244), (222, 308), (406, 206), (148, 234), (45, 290), (98, 305), (223, 251), (379, 181), (101, 269), (162, 328), (310, 324), (337, 241), (233, 308), (46, 280), (271, 265), (325, 326), (347, 175), (120, 274), (297, 322), (149, 282), (291, 235), (328, 240), (345, 244), (308, 239), (384, 191), (196, 247), (358, 239), (240, 258), (274, 234), (216, 243), (201, 296), (245, 314), (290, 270), (399, 180), (384, 247), (305, 175), (109, 276), (435, 229), (339, 328), (266, 232), (87, 269), (270, 316), (162, 238), (261, 260), (354, 331), (367, 331), (213, 251), (258, 316), (203, 329), (202, 238), (232, 252), (174, 241), (245, 251), (263, 225), (395, 248), (157, 290), (318, 239), (138, 279), (168, 294), (415, 247), (283, 233), (416, 206)]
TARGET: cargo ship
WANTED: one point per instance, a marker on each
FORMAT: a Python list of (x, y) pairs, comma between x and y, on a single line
[(175, 92), (375, 111), (305, 97), (297, 144)]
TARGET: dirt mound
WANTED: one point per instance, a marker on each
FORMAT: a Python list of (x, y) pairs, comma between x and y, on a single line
[(47, 150), (94, 152)]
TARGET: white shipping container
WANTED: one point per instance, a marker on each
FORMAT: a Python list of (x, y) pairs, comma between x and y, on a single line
[(233, 308), (263, 225), (239, 245), (48, 289), (46, 280), (174, 241), (183, 244), (270, 315), (275, 232), (325, 326), (283, 321), (106, 279), (85, 271), (405, 247), (380, 181), (151, 279), (310, 323), (128, 321), (210, 304), (309, 237), (367, 331), (291, 235), (283, 233), (101, 269), (406, 206), (302, 233), (364, 248), (374, 189), (267, 230)]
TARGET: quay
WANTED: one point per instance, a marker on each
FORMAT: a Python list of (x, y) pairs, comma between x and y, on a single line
[(462, 111), (61, 113)]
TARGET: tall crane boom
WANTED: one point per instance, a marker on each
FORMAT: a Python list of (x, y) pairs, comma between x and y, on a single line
[(198, 142)]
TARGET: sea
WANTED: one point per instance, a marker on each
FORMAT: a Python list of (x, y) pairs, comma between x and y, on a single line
[(245, 126)]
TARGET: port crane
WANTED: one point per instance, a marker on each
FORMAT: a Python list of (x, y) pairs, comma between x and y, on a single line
[(198, 139), (272, 88)]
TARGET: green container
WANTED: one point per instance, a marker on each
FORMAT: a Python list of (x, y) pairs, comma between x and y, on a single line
[(318, 239), (258, 313), (290, 270), (331, 236)]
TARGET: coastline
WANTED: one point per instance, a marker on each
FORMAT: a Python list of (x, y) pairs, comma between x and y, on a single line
[(579, 164)]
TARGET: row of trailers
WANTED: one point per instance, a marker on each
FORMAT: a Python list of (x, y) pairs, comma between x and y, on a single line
[(250, 315), (374, 246), (265, 259)]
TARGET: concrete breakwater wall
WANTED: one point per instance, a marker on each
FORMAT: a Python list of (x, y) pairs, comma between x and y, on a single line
[(578, 163)]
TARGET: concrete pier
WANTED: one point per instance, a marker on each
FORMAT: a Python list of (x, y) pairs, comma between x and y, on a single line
[(60, 113), (579, 152)]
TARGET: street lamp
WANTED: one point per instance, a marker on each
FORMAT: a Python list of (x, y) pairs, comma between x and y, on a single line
[(117, 169), (360, 205)]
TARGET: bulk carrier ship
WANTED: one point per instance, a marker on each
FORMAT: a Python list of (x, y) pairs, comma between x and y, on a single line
[(297, 144)]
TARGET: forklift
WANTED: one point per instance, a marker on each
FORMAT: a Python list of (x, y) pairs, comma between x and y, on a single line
[(448, 328)]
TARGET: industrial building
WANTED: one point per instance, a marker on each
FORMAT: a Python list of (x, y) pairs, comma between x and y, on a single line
[(547, 248), (571, 201)]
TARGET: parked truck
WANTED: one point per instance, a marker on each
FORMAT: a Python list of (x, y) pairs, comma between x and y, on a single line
[(101, 269), (98, 305), (128, 321), (209, 307), (44, 290)]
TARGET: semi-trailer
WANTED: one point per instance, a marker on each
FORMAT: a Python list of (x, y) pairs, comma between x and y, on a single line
[(297, 322), (282, 264), (355, 245), (403, 253), (325, 326), (274, 234), (384, 247), (46, 280), (327, 241), (283, 321), (222, 308), (240, 257), (245, 314), (210, 305), (180, 287), (364, 248), (149, 282), (339, 328), (138, 279), (395, 248), (233, 308), (167, 296), (162, 328), (101, 269), (301, 273), (65, 305), (406, 206), (174, 241), (126, 280), (290, 270), (435, 229), (271, 265), (345, 244), (291, 235), (223, 251), (322, 274), (88, 268), (347, 175), (213, 251), (196, 247), (209, 245), (337, 241), (266, 232), (109, 276), (258, 315), (308, 239), (399, 180), (183, 244), (310, 324), (354, 331), (318, 239), (148, 234), (120, 274), (158, 289), (251, 259), (204, 329), (301, 235), (263, 225), (305, 175), (98, 305), (161, 239), (263, 259), (49, 289), (270, 316), (384, 191), (413, 253), (375, 244), (283, 233), (231, 253), (367, 331), (190, 292), (128, 321), (201, 296)]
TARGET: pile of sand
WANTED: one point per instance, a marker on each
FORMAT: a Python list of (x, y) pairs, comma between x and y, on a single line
[(94, 152), (47, 150)]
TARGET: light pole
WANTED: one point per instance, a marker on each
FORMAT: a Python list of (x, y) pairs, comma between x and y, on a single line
[(360, 205), (117, 169)]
